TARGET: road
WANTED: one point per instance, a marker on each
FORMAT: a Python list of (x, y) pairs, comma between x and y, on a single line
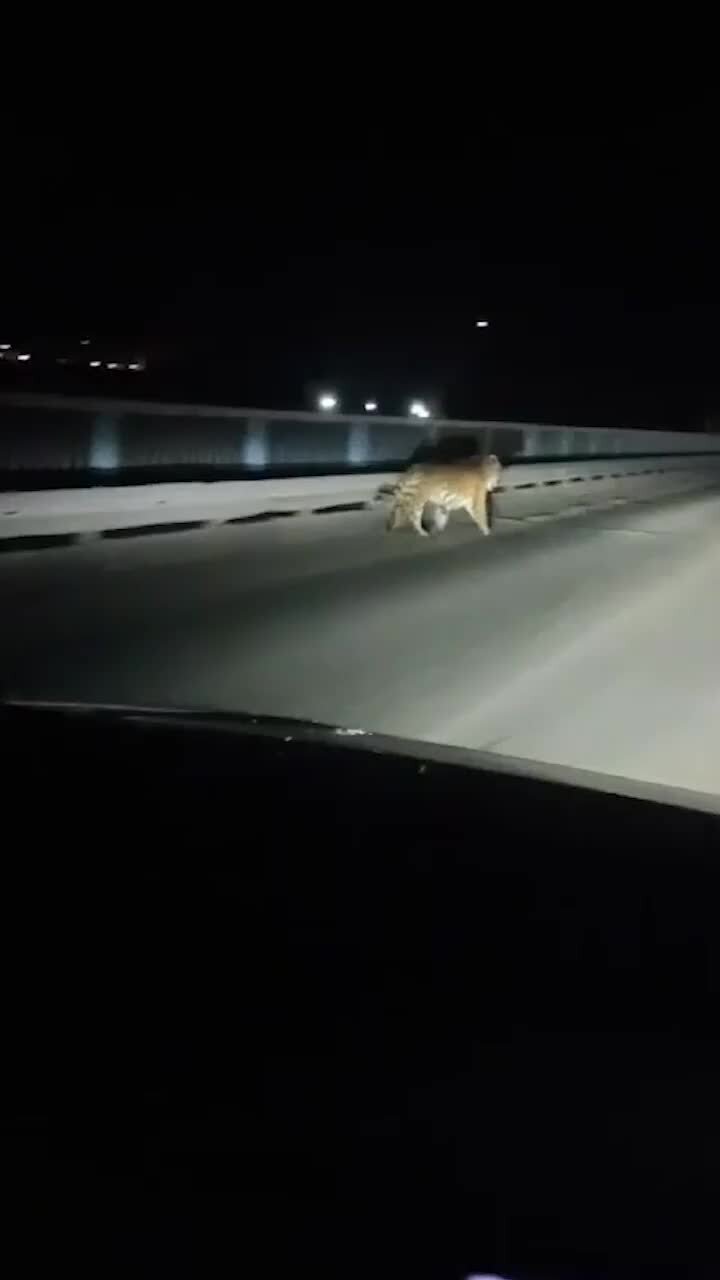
[(591, 640)]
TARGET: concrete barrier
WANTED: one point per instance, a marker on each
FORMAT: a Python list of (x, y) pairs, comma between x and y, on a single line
[(91, 510), (528, 489)]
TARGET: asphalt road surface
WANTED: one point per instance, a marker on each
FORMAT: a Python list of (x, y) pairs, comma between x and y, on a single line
[(590, 640)]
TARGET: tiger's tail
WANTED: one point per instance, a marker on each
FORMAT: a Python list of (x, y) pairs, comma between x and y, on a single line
[(386, 492)]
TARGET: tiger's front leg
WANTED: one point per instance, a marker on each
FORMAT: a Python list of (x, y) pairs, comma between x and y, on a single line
[(479, 514)]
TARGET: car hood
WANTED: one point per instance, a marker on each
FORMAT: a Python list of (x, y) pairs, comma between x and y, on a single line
[(291, 731)]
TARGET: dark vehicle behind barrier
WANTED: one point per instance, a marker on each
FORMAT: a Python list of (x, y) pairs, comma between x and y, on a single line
[(282, 999)]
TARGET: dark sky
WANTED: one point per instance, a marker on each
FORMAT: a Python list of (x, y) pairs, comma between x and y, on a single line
[(357, 249)]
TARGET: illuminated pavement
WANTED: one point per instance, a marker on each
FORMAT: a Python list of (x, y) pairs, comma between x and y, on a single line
[(591, 640)]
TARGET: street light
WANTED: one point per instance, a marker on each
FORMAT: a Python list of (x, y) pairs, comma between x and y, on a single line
[(481, 324), (371, 406), (419, 410), (327, 401)]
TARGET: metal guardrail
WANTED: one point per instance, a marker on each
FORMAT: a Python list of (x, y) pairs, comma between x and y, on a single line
[(41, 433)]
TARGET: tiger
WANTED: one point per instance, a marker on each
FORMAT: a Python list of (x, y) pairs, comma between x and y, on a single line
[(444, 487)]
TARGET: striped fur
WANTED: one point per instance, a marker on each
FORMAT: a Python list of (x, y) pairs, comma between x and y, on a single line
[(444, 488)]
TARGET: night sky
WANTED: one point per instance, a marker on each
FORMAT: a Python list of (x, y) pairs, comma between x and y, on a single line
[(256, 265)]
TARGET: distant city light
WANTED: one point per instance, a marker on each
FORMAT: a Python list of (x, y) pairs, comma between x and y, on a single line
[(327, 401), (24, 355), (4, 346), (419, 410), (371, 406), (135, 366), (112, 364), (481, 324), (84, 342), (95, 364)]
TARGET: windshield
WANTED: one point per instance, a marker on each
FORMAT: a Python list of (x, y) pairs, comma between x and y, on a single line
[(403, 426), (579, 631), (463, 488)]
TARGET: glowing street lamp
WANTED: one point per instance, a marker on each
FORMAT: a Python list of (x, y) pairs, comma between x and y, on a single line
[(371, 406), (327, 401), (482, 324), (419, 410)]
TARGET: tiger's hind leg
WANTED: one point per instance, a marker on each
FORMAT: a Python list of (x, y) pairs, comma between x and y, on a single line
[(407, 511), (415, 516), (396, 516)]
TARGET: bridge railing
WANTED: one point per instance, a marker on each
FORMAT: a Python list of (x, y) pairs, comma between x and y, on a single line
[(107, 439)]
